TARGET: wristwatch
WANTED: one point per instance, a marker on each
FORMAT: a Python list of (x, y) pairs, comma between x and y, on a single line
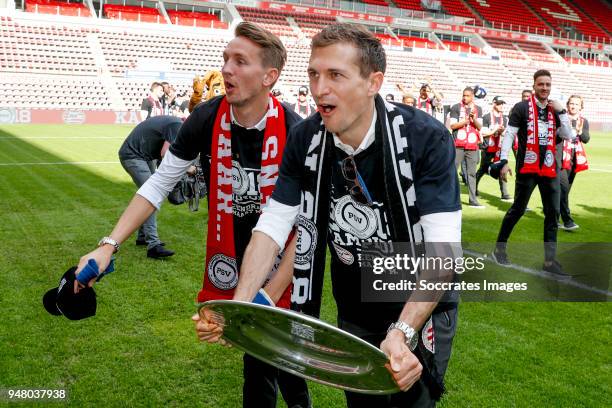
[(412, 337), (109, 241)]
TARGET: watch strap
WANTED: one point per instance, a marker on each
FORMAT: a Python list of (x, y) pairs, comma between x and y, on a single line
[(109, 241)]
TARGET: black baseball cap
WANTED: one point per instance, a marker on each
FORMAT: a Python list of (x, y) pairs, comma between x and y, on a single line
[(63, 301), (303, 90), (498, 100), (276, 92), (495, 168)]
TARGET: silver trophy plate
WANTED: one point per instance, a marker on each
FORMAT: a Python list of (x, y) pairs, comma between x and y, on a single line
[(304, 346)]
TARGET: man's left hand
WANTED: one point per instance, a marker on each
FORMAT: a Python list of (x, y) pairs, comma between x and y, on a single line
[(403, 365)]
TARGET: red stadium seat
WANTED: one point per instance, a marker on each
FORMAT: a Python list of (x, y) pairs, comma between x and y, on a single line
[(599, 11), (133, 13), (509, 15), (57, 7), (193, 19), (562, 15)]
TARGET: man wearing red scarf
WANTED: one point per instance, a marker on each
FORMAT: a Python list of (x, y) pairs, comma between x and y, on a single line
[(465, 122), (573, 158), (239, 138), (493, 126), (540, 124)]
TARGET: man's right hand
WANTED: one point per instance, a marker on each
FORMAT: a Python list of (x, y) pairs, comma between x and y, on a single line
[(206, 328), (102, 256), (505, 172)]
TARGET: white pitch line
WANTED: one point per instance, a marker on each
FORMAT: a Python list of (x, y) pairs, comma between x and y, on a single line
[(601, 170), (543, 275), (57, 163)]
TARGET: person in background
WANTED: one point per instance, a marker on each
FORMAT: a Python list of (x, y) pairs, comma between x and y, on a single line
[(151, 105), (540, 124), (573, 158), (465, 122), (493, 126), (302, 106), (147, 143)]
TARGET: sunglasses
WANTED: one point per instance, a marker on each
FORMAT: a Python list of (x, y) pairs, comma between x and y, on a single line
[(358, 190)]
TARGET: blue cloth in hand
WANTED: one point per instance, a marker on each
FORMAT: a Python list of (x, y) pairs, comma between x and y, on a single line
[(91, 270)]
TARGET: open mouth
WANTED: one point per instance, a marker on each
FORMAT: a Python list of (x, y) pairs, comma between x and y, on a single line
[(229, 86), (326, 109)]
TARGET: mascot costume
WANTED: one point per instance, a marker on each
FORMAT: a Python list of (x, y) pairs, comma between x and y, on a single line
[(211, 83)]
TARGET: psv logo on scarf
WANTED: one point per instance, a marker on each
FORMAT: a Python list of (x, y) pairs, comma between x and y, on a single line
[(531, 162)]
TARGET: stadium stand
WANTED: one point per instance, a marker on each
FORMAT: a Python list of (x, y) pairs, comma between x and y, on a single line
[(275, 21), (409, 4), (46, 48), (133, 13), (599, 11), (512, 15), (194, 19), (53, 92), (563, 16), (458, 8), (99, 64), (57, 7)]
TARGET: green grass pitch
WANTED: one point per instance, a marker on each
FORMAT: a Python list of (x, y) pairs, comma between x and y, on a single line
[(62, 188)]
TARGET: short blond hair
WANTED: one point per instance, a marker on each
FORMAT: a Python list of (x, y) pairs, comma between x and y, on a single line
[(273, 53)]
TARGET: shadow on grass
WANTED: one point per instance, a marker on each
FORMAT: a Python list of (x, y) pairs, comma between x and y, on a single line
[(141, 343)]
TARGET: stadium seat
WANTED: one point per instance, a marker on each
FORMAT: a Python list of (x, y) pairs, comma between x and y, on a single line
[(133, 13), (599, 11), (562, 15), (55, 53), (510, 15), (57, 7)]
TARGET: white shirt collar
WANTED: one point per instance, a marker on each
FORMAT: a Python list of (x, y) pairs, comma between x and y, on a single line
[(261, 125), (540, 104), (365, 143)]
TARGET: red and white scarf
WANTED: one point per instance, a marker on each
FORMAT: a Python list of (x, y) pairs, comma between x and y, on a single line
[(468, 136), (581, 160), (494, 144), (221, 272), (156, 107), (424, 105), (531, 162)]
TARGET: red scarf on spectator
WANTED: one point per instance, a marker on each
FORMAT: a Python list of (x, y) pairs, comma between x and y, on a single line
[(221, 272), (157, 108), (426, 104), (495, 141), (468, 136), (581, 160), (531, 162)]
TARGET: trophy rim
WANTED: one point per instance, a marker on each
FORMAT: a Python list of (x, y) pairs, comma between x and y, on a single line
[(369, 349)]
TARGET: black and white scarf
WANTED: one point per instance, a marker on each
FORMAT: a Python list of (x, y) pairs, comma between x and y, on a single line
[(400, 199)]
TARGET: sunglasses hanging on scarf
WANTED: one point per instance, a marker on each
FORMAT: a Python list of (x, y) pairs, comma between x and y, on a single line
[(358, 190)]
